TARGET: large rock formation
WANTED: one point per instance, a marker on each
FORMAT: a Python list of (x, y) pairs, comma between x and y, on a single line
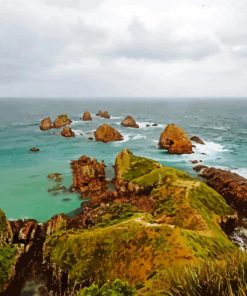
[(67, 132), (46, 124), (103, 114), (105, 133), (129, 121), (86, 116), (62, 120), (175, 140), (230, 185), (88, 176)]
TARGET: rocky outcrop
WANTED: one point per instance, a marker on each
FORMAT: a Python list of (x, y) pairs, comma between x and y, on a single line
[(67, 132), (103, 114), (62, 120), (197, 140), (175, 140), (230, 185), (129, 121), (86, 116), (46, 124), (88, 176), (105, 133)]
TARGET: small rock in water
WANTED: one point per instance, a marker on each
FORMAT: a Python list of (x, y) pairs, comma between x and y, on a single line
[(66, 199), (147, 125), (34, 149), (55, 176), (194, 161), (154, 124), (90, 138)]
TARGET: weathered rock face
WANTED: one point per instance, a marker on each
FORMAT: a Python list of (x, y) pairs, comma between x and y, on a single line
[(62, 120), (105, 133), (129, 121), (67, 132), (175, 140), (86, 116), (230, 185), (46, 124), (88, 176), (197, 140), (103, 114)]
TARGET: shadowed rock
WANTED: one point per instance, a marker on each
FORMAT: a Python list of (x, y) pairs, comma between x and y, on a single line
[(197, 140)]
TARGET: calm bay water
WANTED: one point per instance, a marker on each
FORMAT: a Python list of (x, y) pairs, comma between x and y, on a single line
[(24, 187)]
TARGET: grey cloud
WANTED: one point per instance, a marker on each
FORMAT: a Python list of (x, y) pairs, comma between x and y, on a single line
[(86, 4), (162, 45)]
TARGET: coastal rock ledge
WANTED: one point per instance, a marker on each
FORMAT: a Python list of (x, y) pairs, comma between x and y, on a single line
[(175, 140), (230, 185)]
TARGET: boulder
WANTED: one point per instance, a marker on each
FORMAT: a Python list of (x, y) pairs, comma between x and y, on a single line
[(197, 140), (103, 114), (105, 133), (46, 124), (67, 132), (175, 140), (62, 120), (86, 116), (129, 121)]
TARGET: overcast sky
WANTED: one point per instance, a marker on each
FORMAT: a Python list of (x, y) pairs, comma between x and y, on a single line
[(82, 48)]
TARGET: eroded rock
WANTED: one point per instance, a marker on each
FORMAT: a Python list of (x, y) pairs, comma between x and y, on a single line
[(129, 121), (175, 140), (67, 132), (86, 116), (105, 133), (46, 124), (62, 120)]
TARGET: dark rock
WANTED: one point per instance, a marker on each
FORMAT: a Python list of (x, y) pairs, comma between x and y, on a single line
[(34, 149), (197, 140)]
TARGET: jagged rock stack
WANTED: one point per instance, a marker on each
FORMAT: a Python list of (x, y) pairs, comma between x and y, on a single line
[(175, 140), (129, 121), (105, 133)]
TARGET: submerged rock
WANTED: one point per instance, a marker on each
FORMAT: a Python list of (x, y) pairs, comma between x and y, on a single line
[(62, 120), (57, 177), (197, 140), (230, 185), (129, 121), (67, 132), (105, 133), (86, 116), (175, 140), (34, 149), (46, 124)]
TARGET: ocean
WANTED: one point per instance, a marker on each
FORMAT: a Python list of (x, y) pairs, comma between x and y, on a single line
[(25, 190)]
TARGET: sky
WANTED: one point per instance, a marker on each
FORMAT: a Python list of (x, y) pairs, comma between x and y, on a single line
[(123, 48)]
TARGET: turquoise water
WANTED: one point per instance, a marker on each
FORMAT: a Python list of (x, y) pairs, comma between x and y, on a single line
[(24, 184)]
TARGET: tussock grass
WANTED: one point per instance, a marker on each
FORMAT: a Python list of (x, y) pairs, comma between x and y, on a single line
[(228, 278)]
